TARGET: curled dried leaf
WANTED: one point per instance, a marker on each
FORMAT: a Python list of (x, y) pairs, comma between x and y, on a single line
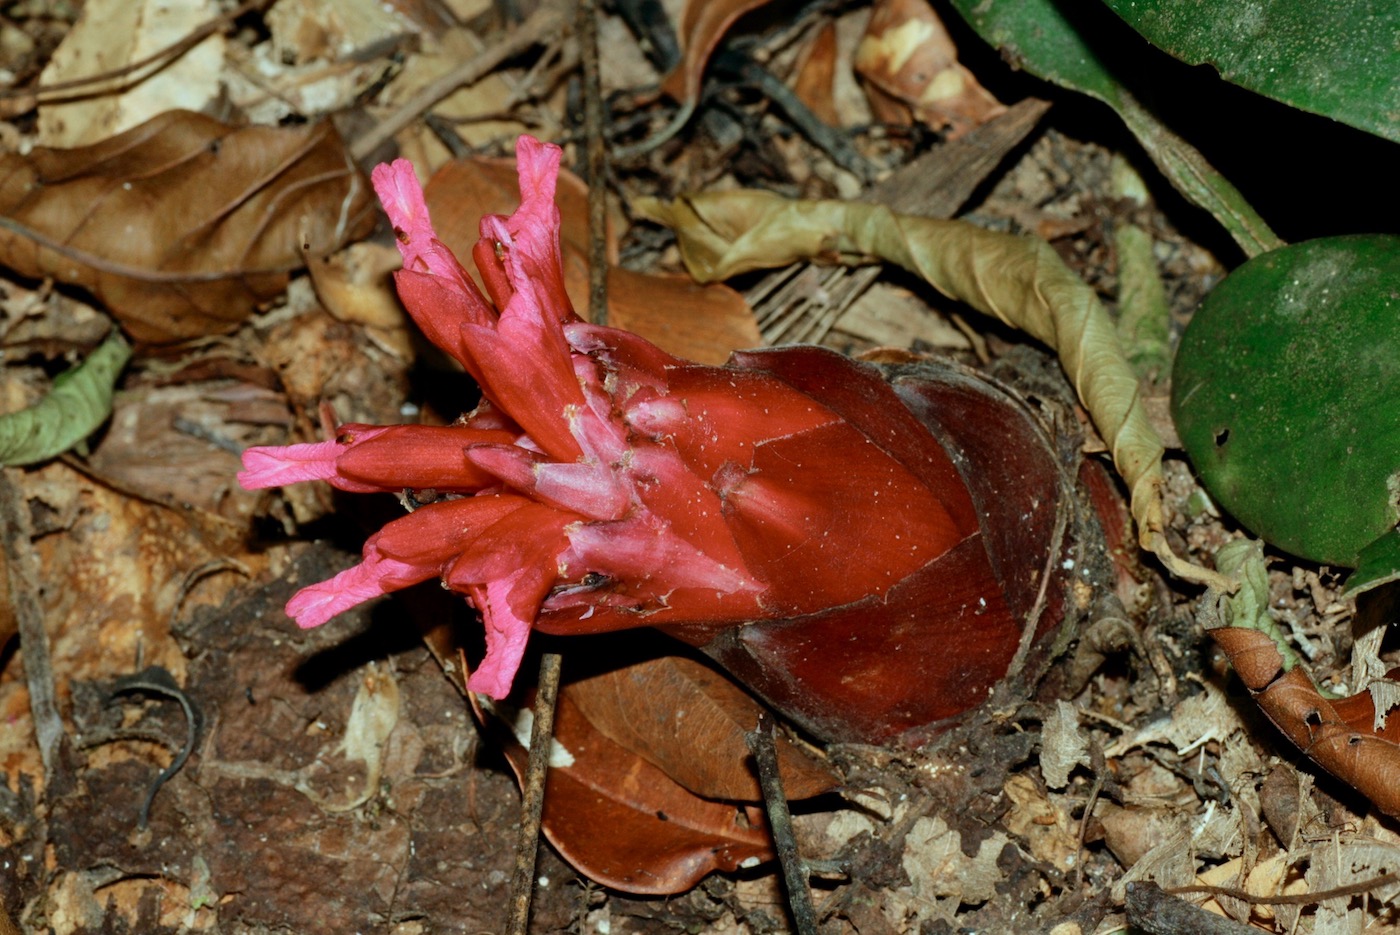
[(1020, 280), (1338, 735)]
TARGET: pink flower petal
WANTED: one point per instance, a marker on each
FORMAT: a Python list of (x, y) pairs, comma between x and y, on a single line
[(593, 490), (436, 533), (507, 633), (399, 192), (376, 575), (269, 466)]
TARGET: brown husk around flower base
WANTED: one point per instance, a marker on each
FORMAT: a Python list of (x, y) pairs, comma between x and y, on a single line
[(901, 665)]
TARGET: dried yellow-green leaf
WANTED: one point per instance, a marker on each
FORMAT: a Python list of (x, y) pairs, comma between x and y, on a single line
[(80, 401), (1020, 280)]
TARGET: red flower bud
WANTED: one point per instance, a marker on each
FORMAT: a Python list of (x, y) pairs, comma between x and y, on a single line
[(789, 510)]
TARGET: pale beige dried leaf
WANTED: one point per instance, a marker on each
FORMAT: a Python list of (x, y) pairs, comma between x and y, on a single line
[(1063, 745), (112, 34), (1020, 280), (937, 867)]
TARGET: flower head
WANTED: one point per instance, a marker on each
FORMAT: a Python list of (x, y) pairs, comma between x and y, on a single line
[(603, 483)]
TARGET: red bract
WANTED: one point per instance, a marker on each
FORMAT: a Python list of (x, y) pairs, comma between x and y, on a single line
[(602, 483)]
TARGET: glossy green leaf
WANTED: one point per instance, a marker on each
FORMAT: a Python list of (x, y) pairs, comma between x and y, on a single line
[(1340, 59), (1286, 394), (80, 401), (1035, 35)]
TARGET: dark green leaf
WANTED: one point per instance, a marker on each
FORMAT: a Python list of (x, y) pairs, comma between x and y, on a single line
[(1286, 394), (1036, 36), (1340, 59)]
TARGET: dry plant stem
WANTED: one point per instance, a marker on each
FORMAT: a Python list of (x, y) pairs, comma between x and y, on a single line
[(522, 885), (544, 22), (587, 32), (23, 572), (765, 755), (1291, 899)]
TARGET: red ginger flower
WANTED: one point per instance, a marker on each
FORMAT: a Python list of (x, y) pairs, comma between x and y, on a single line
[(603, 483)]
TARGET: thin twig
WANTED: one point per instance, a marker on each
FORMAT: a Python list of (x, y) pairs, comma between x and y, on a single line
[(587, 35), (527, 845), (24, 576), (765, 755), (1290, 899), (548, 19)]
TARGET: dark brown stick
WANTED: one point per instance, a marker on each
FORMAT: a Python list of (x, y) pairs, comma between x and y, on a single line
[(765, 754), (522, 885), (587, 34)]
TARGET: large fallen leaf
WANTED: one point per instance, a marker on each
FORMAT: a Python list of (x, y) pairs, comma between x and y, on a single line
[(80, 401), (1038, 37), (624, 823), (689, 720), (181, 226), (1020, 280), (613, 815), (698, 322)]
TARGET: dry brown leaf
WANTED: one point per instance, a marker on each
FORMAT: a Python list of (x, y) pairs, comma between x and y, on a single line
[(815, 83), (1063, 745), (624, 823), (687, 719), (1339, 735), (1020, 280), (911, 66), (703, 24), (182, 225)]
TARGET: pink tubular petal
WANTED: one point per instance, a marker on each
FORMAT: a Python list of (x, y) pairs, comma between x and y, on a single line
[(488, 254), (525, 371), (436, 533), (270, 466), (376, 575), (507, 613), (508, 571), (397, 186), (592, 490), (399, 192)]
